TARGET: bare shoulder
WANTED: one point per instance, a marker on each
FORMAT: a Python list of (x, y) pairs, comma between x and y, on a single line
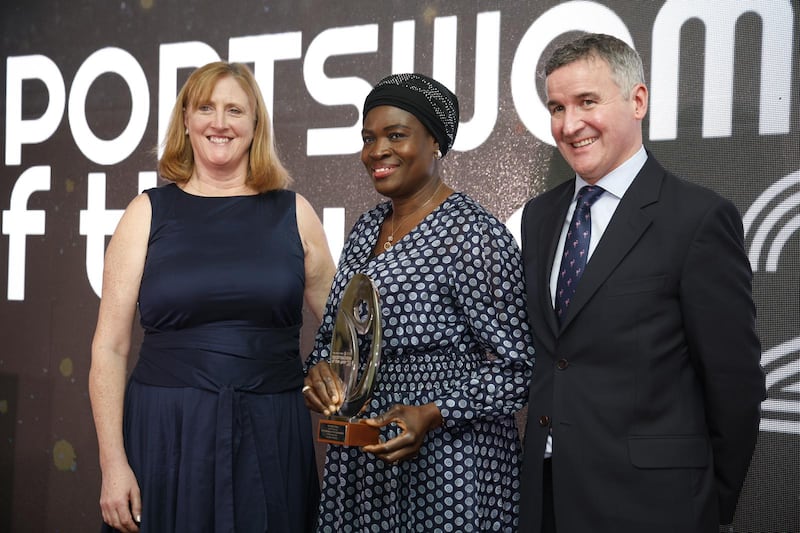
[(307, 219), (139, 207), (134, 226), (303, 205)]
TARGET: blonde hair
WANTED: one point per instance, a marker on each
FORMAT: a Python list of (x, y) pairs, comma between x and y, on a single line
[(265, 170)]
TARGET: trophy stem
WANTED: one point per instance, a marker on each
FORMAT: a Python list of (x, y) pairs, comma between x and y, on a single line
[(359, 313)]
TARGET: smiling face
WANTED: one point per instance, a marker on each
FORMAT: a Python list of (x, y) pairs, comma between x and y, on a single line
[(595, 125), (221, 130), (398, 152)]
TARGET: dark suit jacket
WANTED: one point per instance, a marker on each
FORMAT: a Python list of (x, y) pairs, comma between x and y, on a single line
[(652, 385)]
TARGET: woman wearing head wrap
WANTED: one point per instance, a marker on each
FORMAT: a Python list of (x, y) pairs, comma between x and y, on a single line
[(456, 353)]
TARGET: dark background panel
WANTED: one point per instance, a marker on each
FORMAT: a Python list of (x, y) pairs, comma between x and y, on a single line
[(49, 477)]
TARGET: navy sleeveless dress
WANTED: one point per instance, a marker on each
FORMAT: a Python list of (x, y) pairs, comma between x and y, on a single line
[(215, 426)]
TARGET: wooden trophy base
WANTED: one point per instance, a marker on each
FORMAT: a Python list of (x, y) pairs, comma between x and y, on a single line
[(345, 432)]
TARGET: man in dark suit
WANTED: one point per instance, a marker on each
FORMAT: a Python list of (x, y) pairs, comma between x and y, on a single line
[(645, 402)]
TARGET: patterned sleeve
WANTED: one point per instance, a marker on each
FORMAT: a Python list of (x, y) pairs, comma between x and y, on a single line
[(489, 287)]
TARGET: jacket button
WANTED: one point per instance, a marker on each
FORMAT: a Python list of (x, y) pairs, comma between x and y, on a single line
[(562, 364), (544, 421)]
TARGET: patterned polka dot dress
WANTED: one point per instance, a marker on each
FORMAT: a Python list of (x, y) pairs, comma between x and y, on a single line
[(455, 333)]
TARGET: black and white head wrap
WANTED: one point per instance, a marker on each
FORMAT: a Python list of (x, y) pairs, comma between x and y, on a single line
[(434, 105)]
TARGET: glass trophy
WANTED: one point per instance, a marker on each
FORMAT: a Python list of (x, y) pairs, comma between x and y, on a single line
[(359, 314)]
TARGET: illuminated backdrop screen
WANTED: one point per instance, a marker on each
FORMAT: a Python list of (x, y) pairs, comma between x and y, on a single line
[(87, 88)]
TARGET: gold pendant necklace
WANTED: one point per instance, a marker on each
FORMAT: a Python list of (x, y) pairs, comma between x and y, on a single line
[(390, 239)]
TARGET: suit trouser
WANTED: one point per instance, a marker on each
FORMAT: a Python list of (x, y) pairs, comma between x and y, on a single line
[(548, 510)]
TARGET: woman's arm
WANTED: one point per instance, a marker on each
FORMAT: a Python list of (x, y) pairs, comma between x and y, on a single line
[(318, 262), (120, 500), (495, 307)]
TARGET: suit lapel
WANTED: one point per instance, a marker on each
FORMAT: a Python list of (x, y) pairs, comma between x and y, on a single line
[(625, 228), (549, 232)]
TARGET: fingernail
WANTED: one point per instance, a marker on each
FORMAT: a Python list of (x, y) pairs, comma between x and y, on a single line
[(138, 518)]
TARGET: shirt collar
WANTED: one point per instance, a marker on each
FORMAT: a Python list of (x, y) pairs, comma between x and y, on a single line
[(618, 180)]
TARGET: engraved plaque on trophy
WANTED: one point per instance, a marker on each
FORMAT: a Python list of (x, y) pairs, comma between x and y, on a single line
[(359, 314)]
